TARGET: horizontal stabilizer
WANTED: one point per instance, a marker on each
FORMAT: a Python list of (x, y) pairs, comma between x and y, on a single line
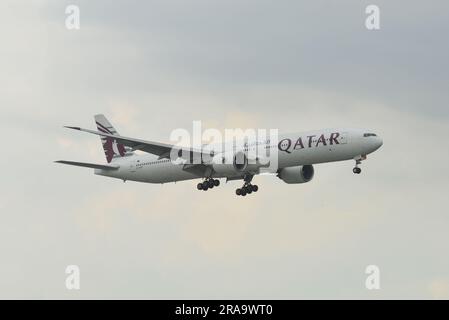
[(90, 165)]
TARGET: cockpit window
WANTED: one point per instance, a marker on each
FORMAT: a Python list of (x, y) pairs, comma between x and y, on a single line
[(369, 135)]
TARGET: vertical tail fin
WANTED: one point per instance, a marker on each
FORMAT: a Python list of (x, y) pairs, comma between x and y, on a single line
[(112, 149)]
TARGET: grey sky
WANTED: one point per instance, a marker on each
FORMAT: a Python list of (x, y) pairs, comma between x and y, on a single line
[(155, 66)]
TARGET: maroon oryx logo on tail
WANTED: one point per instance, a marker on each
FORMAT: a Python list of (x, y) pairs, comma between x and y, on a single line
[(110, 145), (112, 148)]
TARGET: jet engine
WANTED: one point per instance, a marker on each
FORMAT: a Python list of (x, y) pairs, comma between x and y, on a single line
[(299, 174), (235, 163)]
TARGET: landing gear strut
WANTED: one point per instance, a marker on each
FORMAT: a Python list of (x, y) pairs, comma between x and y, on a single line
[(356, 169), (207, 184)]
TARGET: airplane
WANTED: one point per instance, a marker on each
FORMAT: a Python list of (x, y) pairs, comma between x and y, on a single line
[(296, 154)]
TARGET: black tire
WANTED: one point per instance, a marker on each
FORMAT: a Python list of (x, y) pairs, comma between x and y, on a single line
[(205, 186), (238, 192), (210, 184), (243, 192), (199, 186), (359, 170), (355, 170), (249, 189), (255, 188), (216, 182)]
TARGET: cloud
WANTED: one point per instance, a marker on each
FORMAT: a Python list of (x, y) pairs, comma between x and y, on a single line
[(439, 289), (152, 67)]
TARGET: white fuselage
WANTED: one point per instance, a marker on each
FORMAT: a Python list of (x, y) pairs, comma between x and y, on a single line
[(294, 149)]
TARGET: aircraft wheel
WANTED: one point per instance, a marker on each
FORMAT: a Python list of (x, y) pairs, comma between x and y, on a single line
[(255, 188), (238, 192), (205, 186), (216, 182), (199, 186), (357, 170), (243, 192), (249, 189)]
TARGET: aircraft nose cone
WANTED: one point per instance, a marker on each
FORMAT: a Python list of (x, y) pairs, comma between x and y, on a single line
[(379, 142)]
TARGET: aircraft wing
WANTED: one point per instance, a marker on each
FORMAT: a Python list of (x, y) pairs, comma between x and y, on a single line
[(89, 165), (162, 150)]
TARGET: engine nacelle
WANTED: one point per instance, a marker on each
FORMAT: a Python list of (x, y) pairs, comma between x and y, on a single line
[(299, 174), (234, 163)]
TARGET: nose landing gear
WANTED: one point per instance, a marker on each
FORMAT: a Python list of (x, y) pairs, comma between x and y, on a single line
[(208, 184), (358, 161)]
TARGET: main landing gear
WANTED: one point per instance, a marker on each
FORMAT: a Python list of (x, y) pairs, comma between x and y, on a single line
[(208, 184), (247, 188)]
